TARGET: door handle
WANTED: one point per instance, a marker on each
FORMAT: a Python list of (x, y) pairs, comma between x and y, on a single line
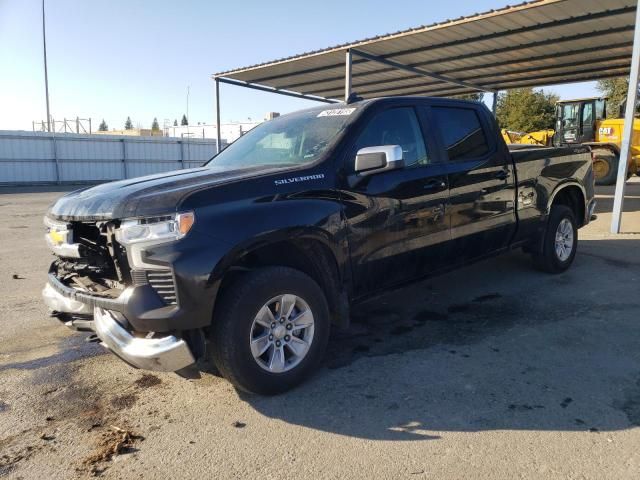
[(502, 174), (434, 184)]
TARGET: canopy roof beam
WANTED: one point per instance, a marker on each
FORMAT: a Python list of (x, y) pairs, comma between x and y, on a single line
[(263, 88), (417, 71)]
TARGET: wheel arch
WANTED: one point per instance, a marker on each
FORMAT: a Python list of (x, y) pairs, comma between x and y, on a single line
[(573, 195), (314, 252)]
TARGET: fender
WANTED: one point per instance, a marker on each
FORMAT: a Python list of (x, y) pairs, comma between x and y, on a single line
[(562, 186), (338, 291), (333, 244)]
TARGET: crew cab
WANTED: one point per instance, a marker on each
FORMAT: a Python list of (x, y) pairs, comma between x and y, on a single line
[(250, 259)]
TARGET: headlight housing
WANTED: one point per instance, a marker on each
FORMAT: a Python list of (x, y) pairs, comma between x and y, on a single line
[(155, 230)]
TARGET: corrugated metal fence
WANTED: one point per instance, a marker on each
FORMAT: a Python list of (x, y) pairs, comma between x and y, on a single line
[(37, 157)]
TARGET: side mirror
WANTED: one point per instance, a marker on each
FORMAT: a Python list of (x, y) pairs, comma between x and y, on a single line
[(370, 160)]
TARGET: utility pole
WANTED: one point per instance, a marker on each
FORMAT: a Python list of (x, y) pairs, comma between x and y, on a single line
[(46, 77)]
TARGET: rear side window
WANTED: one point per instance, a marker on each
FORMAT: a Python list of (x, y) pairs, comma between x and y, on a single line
[(397, 126), (461, 132)]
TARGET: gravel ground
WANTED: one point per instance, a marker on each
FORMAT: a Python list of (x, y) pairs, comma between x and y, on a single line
[(494, 371)]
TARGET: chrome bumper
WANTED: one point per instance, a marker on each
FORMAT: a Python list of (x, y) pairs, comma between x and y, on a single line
[(167, 354), (59, 303)]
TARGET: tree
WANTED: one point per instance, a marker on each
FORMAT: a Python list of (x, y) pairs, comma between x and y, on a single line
[(175, 123), (615, 89), (155, 126), (128, 125), (476, 97), (184, 120), (526, 110), (103, 126)]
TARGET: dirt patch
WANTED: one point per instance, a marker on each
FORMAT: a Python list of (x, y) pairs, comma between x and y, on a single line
[(9, 461), (147, 380), (113, 442), (123, 402)]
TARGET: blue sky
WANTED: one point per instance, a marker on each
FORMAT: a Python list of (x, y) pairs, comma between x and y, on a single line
[(119, 58)]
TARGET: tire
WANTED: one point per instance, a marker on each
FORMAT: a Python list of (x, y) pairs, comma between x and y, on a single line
[(605, 168), (551, 259), (239, 326)]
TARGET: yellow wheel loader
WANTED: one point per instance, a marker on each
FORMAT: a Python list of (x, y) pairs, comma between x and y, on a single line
[(582, 121)]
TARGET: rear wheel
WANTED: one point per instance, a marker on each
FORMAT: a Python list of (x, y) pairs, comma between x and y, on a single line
[(560, 241), (270, 330)]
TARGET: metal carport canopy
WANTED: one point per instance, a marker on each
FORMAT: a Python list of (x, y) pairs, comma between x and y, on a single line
[(542, 42)]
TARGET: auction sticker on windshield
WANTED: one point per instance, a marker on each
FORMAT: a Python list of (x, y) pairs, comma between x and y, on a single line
[(336, 111)]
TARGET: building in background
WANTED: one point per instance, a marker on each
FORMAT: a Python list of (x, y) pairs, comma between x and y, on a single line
[(229, 132), (133, 132)]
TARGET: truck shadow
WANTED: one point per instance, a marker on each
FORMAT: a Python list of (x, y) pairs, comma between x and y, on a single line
[(496, 346)]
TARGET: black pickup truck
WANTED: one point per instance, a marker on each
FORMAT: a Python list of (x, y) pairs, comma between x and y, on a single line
[(248, 260)]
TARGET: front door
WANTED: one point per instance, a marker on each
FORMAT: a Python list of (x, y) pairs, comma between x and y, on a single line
[(398, 228)]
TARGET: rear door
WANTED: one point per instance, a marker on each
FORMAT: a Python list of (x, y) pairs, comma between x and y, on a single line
[(481, 180), (398, 229)]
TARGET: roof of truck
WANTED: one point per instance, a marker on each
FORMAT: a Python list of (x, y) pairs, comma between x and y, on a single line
[(540, 42)]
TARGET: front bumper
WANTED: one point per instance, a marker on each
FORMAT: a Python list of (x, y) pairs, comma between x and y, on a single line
[(165, 352)]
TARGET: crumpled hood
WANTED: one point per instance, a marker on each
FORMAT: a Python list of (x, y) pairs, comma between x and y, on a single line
[(144, 196)]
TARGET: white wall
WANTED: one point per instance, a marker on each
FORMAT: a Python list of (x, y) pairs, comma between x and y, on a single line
[(40, 157)]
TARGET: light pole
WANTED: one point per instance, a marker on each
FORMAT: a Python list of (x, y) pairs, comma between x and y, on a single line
[(46, 77)]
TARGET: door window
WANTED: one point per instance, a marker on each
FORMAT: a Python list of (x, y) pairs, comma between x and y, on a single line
[(461, 132), (570, 115), (397, 126), (587, 115), (600, 109)]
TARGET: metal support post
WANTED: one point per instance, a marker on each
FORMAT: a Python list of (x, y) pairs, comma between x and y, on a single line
[(347, 75), (217, 95), (627, 133), (46, 76), (125, 171)]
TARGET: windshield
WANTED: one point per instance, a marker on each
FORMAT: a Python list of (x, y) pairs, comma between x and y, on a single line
[(294, 139)]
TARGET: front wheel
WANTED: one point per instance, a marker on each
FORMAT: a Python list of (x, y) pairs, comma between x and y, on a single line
[(560, 241), (270, 330), (605, 168)]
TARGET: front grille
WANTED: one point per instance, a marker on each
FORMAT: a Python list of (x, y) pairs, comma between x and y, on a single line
[(162, 282)]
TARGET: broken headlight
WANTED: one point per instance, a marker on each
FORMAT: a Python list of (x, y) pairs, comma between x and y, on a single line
[(154, 229)]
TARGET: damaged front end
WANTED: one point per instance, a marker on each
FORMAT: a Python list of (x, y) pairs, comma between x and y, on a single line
[(86, 261), (101, 282)]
